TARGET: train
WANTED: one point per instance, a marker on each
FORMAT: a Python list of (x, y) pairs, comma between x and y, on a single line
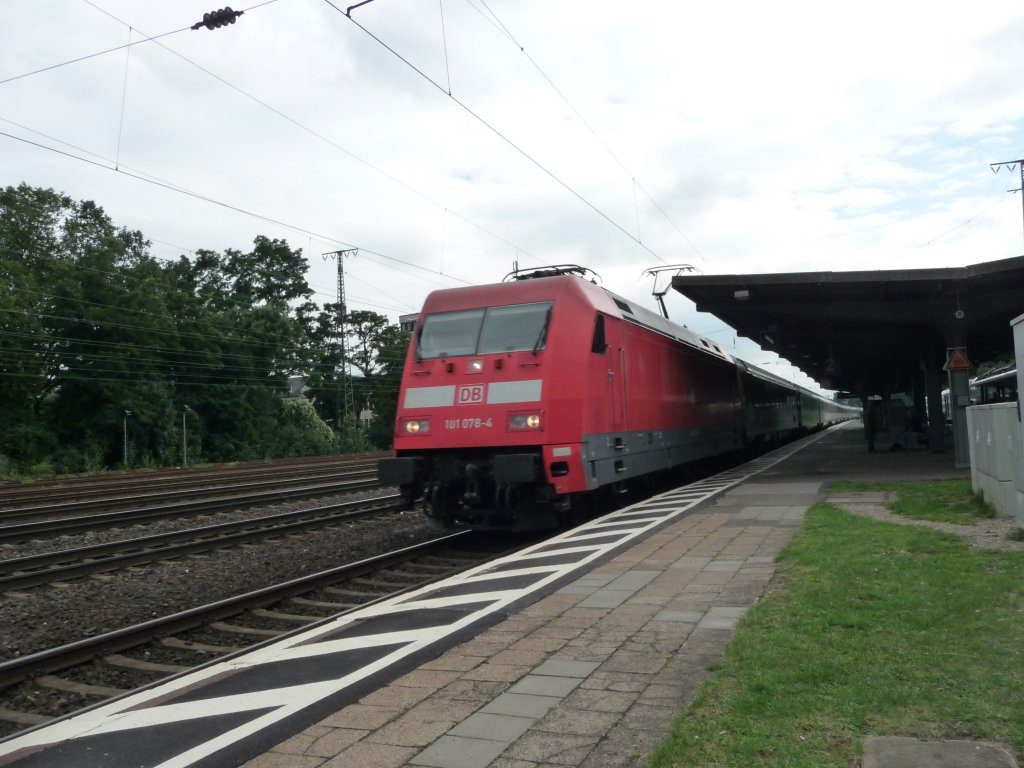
[(523, 399), (997, 385)]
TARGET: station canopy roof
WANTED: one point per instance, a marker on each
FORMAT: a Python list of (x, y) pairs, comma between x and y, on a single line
[(869, 332)]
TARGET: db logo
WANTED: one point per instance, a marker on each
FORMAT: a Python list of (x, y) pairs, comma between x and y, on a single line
[(470, 395)]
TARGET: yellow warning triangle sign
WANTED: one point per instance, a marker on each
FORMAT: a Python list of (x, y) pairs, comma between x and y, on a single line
[(957, 360)]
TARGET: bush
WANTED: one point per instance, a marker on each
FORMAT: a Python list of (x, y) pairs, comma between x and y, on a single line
[(303, 432), (74, 460), (8, 472)]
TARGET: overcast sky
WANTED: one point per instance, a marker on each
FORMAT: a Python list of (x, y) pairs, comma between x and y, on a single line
[(742, 137)]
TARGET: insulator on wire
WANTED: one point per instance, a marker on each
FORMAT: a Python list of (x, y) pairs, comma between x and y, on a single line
[(219, 18)]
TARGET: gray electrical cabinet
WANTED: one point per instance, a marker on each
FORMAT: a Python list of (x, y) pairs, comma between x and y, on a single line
[(1018, 345)]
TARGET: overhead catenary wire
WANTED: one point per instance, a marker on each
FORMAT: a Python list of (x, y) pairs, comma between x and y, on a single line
[(86, 374), (129, 44), (284, 116), (194, 335), (200, 330), (953, 229), (43, 298), (535, 52), (444, 37), (315, 291), (498, 133), (316, 134), (89, 56), (180, 354), (124, 97), (86, 354), (229, 206), (500, 25)]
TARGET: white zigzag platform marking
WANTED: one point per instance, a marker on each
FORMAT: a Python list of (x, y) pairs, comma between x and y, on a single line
[(143, 709)]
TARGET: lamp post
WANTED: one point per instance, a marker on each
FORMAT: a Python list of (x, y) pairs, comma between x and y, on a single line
[(127, 413), (184, 436)]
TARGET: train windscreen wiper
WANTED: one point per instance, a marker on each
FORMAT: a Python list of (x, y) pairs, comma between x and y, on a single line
[(542, 337)]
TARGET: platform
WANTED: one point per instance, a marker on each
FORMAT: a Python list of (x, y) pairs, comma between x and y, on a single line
[(579, 651)]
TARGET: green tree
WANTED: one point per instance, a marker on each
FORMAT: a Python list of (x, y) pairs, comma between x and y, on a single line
[(377, 351), (241, 304), (28, 234), (324, 359), (114, 330), (94, 299), (92, 328)]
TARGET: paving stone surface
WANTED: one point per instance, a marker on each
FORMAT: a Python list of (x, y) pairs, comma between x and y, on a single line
[(905, 752), (593, 674), (590, 675)]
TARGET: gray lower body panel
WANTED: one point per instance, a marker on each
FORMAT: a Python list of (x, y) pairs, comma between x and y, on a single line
[(610, 458)]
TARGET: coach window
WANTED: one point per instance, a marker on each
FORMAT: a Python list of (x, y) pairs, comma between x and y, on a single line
[(446, 334), (516, 327)]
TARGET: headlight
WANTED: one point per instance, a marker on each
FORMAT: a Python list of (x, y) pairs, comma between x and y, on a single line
[(416, 427), (518, 422)]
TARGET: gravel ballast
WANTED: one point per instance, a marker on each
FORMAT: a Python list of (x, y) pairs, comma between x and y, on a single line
[(44, 617)]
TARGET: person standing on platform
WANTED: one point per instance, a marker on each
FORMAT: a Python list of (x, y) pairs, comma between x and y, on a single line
[(870, 423)]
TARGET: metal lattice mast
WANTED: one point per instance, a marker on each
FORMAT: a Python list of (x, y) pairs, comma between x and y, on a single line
[(1011, 164), (346, 406)]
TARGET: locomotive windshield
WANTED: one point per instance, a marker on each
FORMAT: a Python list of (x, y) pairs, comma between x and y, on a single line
[(447, 334), (479, 331)]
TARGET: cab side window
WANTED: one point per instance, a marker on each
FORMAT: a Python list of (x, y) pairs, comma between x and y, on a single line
[(599, 344)]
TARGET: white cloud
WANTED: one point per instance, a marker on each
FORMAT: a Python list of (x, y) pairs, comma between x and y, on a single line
[(772, 138)]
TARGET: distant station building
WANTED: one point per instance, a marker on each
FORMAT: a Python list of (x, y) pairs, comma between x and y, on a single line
[(408, 322)]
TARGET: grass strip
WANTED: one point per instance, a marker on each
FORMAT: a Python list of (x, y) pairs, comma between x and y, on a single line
[(868, 628), (946, 501)]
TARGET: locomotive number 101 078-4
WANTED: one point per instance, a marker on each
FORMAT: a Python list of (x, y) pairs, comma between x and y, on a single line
[(468, 423)]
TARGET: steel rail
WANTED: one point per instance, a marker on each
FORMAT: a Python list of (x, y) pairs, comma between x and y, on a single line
[(238, 469), (35, 570), (31, 512), (49, 528), (53, 660), (113, 492)]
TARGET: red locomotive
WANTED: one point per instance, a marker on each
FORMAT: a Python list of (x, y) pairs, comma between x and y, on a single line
[(520, 397)]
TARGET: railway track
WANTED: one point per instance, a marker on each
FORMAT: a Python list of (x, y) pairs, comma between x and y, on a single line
[(17, 527), (62, 680), (238, 490), (135, 493), (54, 490), (49, 567)]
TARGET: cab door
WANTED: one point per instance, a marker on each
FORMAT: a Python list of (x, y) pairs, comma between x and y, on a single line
[(605, 403), (617, 374)]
